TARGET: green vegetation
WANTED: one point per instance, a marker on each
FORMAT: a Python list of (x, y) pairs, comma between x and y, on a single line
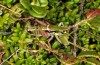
[(49, 32)]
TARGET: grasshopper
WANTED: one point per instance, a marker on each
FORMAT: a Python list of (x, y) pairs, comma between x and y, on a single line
[(50, 31)]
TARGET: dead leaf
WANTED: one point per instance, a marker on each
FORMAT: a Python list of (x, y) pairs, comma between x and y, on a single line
[(1, 54), (92, 13)]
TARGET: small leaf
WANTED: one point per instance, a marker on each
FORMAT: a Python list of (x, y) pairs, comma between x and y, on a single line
[(15, 38), (18, 25), (10, 20), (55, 45), (28, 40), (8, 1), (11, 60), (19, 62), (43, 3), (23, 36), (12, 49), (89, 54), (93, 61), (53, 60), (24, 3), (95, 22), (92, 46), (29, 58), (35, 2), (4, 19), (39, 10), (76, 1)]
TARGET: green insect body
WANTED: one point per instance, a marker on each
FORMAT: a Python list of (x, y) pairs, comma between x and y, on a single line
[(64, 39), (55, 28)]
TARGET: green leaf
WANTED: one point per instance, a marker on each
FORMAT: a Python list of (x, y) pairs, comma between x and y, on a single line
[(33, 13), (12, 49), (35, 2), (43, 62), (67, 14), (15, 38), (69, 5), (61, 14), (53, 60), (18, 25), (18, 8), (76, 1), (4, 19), (6, 55), (28, 40), (89, 54), (23, 36), (43, 3), (74, 12), (93, 61), (21, 54), (29, 58), (27, 54), (10, 20), (19, 62), (8, 1), (26, 4), (95, 22), (39, 10), (55, 45), (11, 59)]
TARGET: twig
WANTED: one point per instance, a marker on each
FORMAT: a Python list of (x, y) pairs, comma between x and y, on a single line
[(48, 48), (75, 40), (10, 56), (18, 19), (5, 33), (84, 49), (76, 28), (8, 9), (82, 6)]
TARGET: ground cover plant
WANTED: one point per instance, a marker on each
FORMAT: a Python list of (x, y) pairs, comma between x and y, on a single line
[(49, 32)]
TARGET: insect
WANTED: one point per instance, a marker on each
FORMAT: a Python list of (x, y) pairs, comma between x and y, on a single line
[(46, 30), (50, 31)]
